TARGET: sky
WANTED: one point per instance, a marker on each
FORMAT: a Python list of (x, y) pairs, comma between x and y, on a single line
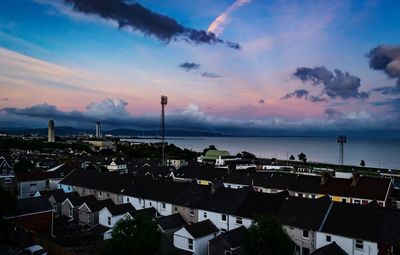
[(228, 66)]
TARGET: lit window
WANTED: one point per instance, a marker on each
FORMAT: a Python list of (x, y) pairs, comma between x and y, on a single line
[(306, 234), (223, 217), (359, 244), (190, 242), (239, 221), (328, 238)]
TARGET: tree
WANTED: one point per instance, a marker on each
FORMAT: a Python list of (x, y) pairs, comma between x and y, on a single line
[(266, 236), (362, 163), (139, 235), (292, 158), (210, 147), (302, 157)]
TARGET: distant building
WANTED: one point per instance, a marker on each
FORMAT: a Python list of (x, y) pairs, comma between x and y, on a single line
[(51, 132), (98, 130), (177, 163), (212, 155), (97, 145)]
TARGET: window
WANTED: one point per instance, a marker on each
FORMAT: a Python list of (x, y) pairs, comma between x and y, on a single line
[(32, 187), (190, 244), (108, 194), (223, 217), (176, 209), (296, 194), (127, 199), (239, 220), (359, 244), (223, 230), (229, 186), (100, 194), (312, 196), (163, 205), (344, 200), (109, 221), (306, 234), (7, 180), (69, 187), (357, 201), (84, 191), (70, 212), (191, 212), (205, 215), (89, 217), (90, 191), (328, 238), (140, 201), (150, 204)]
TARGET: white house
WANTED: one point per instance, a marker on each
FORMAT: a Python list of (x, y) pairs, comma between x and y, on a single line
[(349, 245), (109, 216), (194, 238)]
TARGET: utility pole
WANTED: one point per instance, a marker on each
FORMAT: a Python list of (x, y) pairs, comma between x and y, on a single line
[(341, 140), (164, 101)]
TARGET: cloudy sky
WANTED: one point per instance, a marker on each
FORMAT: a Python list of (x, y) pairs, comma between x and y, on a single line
[(227, 65)]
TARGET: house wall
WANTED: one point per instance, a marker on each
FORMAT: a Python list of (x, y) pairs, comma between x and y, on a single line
[(41, 223), (201, 244), (347, 244), (234, 185), (162, 208), (86, 217), (215, 218), (103, 218), (98, 194), (233, 223), (65, 206), (185, 213), (29, 188), (296, 234), (181, 238)]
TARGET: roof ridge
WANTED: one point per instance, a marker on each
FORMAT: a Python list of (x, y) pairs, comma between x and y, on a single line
[(326, 216)]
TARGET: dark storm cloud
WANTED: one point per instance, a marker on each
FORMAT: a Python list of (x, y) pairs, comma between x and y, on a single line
[(300, 93), (303, 93), (386, 58), (138, 17), (337, 84), (210, 75), (189, 66), (261, 101), (332, 114)]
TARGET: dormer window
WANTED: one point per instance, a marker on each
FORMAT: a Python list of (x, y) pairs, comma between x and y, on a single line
[(306, 234)]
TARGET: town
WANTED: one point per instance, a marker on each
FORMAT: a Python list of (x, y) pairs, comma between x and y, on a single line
[(72, 195)]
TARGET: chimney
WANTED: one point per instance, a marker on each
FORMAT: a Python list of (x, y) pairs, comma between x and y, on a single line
[(354, 179), (324, 178), (215, 185)]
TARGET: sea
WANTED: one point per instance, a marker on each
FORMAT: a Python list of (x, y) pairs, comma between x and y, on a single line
[(376, 152)]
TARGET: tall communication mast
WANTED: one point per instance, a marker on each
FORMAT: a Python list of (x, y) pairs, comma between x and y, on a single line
[(164, 101), (341, 140)]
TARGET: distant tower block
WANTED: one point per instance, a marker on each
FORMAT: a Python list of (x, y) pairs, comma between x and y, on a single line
[(98, 130), (341, 140), (164, 101), (51, 137)]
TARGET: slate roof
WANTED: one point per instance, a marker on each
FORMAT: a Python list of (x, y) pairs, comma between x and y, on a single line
[(224, 200), (79, 200), (171, 221), (202, 228), (97, 205), (32, 176), (367, 187), (159, 190), (330, 249), (258, 203), (304, 213), (121, 209), (30, 206), (98, 229), (370, 223), (150, 212), (110, 182), (231, 239), (58, 194), (201, 173)]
